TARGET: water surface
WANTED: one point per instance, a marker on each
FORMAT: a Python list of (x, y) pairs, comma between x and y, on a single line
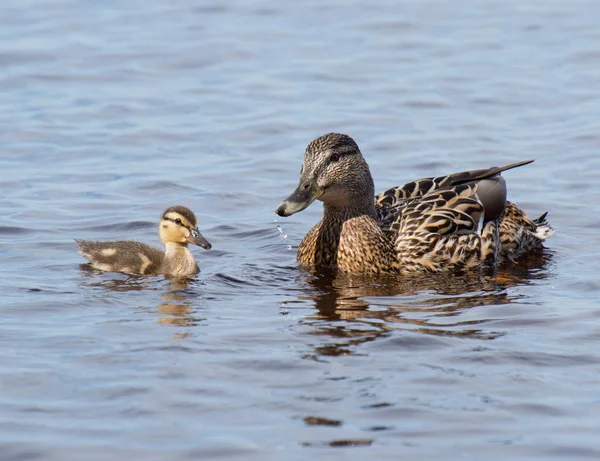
[(112, 111)]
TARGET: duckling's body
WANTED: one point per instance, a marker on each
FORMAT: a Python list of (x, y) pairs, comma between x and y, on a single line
[(177, 228), (460, 221)]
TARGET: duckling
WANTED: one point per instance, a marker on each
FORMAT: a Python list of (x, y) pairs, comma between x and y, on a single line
[(176, 229), (460, 221)]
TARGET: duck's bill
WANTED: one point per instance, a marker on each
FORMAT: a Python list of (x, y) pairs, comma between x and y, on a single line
[(196, 238), (301, 198)]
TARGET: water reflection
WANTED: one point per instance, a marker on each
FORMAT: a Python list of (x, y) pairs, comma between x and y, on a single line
[(176, 307), (115, 281), (355, 309)]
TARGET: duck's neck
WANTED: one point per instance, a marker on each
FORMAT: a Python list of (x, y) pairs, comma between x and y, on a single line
[(321, 245), (359, 201), (332, 226), (179, 260), (333, 214)]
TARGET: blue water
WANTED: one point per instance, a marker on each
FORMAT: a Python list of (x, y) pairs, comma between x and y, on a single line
[(112, 111)]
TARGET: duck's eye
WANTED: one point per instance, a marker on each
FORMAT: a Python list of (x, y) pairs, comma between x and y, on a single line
[(178, 222), (334, 157)]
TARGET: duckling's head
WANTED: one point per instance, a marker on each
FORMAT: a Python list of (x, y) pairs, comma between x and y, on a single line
[(335, 172), (178, 225)]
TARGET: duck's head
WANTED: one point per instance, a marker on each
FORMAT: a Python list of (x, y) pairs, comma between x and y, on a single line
[(335, 172), (178, 225)]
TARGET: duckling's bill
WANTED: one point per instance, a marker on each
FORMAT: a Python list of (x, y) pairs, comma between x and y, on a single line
[(197, 238), (306, 193)]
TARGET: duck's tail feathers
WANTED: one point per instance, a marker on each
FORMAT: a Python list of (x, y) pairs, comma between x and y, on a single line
[(543, 229)]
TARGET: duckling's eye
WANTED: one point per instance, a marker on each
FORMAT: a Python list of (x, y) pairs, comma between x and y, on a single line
[(178, 222), (334, 157)]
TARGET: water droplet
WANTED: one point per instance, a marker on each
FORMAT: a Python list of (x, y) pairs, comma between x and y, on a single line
[(282, 234), (283, 310)]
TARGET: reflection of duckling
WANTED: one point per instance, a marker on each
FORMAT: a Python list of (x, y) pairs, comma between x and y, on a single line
[(177, 228)]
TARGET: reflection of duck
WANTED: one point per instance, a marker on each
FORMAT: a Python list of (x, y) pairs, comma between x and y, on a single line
[(178, 314), (177, 307), (356, 308), (459, 221), (177, 228)]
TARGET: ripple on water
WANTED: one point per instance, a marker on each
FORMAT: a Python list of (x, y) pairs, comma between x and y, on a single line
[(123, 227), (9, 230)]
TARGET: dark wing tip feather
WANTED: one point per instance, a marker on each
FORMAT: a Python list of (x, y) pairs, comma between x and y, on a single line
[(477, 175), (541, 219), (499, 169)]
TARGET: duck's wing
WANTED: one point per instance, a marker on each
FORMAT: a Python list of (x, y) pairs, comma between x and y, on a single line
[(487, 183), (462, 219), (124, 256), (443, 212), (444, 229)]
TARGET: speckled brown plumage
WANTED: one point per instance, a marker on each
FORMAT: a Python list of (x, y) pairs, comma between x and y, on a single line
[(459, 221), (340, 244), (520, 234), (177, 228)]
